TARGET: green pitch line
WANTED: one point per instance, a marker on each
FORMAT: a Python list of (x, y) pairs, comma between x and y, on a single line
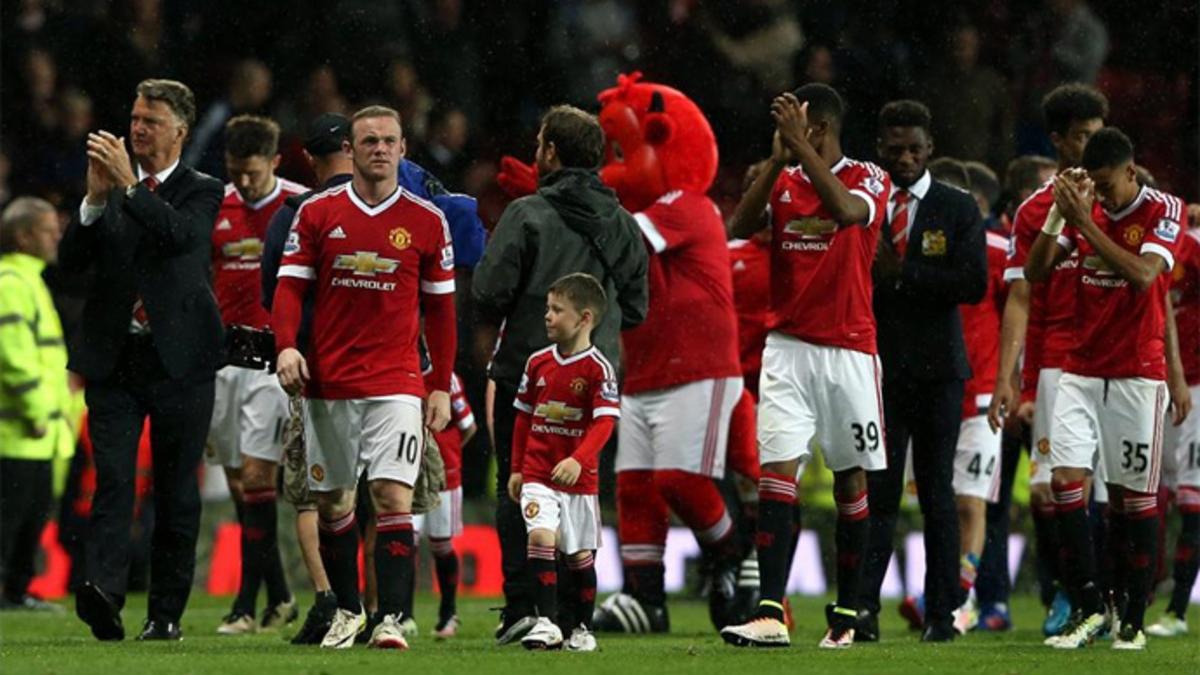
[(61, 644)]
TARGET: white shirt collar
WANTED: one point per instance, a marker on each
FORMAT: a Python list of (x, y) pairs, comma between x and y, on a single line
[(161, 176), (917, 190)]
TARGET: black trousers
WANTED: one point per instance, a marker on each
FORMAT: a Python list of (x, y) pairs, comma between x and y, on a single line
[(180, 411), (510, 524), (25, 491), (993, 582), (928, 413)]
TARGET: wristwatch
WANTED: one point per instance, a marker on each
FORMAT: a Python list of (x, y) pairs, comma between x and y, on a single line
[(130, 190)]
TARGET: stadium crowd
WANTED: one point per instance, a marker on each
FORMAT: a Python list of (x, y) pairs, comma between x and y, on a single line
[(306, 262)]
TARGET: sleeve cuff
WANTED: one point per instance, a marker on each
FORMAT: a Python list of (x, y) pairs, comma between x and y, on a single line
[(89, 213), (650, 232), (606, 411), (1161, 251), (1067, 243), (522, 406), (437, 287), (1014, 274), (467, 422), (297, 271), (870, 206)]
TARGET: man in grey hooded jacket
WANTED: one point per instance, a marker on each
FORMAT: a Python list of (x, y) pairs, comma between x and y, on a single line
[(573, 223)]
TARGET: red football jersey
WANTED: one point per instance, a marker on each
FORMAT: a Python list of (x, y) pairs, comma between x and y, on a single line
[(563, 395), (820, 272), (1051, 304), (751, 259), (1121, 329), (368, 263), (1185, 294), (237, 244), (690, 331), (981, 330), (450, 439)]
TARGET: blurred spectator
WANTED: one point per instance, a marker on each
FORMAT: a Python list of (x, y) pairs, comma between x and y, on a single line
[(5, 172), (1024, 176), (950, 170), (985, 187), (444, 153), (142, 23), (818, 65), (34, 396), (406, 94), (591, 42), (249, 91), (766, 49), (972, 110), (448, 57), (1081, 41), (60, 170)]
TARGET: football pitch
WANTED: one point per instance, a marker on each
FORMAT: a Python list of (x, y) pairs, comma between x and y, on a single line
[(40, 643)]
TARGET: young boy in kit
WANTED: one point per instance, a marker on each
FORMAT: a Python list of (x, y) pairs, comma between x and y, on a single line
[(567, 407)]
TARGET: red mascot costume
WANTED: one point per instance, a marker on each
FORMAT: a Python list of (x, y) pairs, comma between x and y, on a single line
[(682, 372)]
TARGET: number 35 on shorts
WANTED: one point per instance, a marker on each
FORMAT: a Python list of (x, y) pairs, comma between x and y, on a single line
[(1135, 457), (866, 437)]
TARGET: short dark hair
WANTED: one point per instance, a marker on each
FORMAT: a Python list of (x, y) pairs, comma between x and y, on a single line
[(824, 103), (251, 136), (950, 170), (905, 113), (178, 97), (1023, 172), (374, 111), (1107, 148), (983, 180), (584, 291), (1072, 102), (576, 135)]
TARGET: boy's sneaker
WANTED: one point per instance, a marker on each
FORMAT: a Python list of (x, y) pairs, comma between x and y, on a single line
[(581, 640), (760, 632), (1169, 625), (966, 617), (345, 627), (513, 627), (389, 634), (544, 636), (446, 628), (840, 634), (237, 623), (995, 618), (276, 616), (1058, 615), (1130, 639), (1082, 632), (409, 627), (913, 611), (318, 620)]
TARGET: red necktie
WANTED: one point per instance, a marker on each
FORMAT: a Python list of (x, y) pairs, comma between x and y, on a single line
[(900, 222), (140, 318)]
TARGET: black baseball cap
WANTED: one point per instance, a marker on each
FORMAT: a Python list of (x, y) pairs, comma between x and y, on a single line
[(326, 133)]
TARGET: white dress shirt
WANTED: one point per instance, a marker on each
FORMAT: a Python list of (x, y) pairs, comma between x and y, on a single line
[(90, 213), (916, 192)]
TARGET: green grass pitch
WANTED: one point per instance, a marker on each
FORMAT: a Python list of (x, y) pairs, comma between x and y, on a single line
[(32, 643)]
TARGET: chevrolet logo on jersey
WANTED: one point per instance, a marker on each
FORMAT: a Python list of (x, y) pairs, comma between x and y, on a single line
[(365, 263), (811, 227), (246, 249), (557, 412)]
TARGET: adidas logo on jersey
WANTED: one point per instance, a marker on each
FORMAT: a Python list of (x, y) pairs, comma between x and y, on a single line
[(785, 198), (541, 382), (224, 224), (337, 233)]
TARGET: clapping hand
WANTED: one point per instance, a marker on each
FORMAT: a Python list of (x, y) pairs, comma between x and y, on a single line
[(108, 159), (791, 122), (1073, 194)]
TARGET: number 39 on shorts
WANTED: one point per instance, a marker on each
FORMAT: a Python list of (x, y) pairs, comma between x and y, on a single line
[(866, 438)]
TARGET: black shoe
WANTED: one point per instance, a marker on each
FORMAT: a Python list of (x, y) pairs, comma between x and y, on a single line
[(513, 626), (318, 620), (623, 613), (160, 630), (100, 612), (939, 632), (866, 628)]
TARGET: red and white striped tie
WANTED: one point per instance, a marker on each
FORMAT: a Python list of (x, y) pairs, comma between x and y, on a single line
[(900, 222), (141, 321)]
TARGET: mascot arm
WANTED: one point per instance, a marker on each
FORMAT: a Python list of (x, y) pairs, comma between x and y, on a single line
[(748, 216), (517, 178)]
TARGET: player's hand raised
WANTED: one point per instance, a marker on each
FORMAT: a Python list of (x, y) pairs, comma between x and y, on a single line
[(1074, 196), (292, 370), (514, 487), (791, 121), (566, 472), (437, 410)]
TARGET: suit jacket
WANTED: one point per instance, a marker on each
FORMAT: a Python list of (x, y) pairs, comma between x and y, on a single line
[(156, 244), (919, 330)]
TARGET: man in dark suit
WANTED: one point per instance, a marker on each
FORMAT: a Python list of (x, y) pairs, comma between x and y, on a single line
[(931, 259), (152, 342)]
